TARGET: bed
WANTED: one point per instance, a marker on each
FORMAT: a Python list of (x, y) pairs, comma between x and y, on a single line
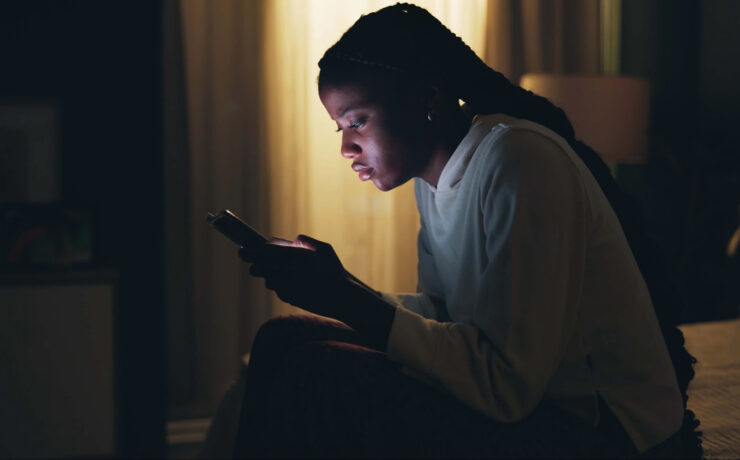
[(714, 394)]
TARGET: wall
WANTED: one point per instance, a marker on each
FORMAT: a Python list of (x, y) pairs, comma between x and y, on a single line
[(717, 203), (689, 52)]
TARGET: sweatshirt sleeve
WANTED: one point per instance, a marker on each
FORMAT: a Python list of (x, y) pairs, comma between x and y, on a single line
[(427, 301), (534, 209)]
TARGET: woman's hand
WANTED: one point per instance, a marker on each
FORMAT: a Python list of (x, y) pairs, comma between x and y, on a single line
[(305, 273)]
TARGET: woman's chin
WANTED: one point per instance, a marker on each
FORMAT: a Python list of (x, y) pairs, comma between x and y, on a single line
[(384, 185), (381, 186)]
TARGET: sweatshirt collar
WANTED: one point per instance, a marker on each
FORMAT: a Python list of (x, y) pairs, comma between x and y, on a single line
[(455, 167)]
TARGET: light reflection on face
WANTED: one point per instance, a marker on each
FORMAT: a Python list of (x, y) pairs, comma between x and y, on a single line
[(384, 140)]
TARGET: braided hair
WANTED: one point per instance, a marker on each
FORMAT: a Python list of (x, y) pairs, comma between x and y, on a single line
[(407, 41)]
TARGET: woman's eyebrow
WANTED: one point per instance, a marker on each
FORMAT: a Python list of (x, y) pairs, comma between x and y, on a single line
[(346, 109)]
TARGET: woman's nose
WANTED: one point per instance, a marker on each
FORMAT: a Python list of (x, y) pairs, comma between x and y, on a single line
[(350, 149)]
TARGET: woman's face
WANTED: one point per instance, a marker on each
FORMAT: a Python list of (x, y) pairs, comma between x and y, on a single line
[(385, 139)]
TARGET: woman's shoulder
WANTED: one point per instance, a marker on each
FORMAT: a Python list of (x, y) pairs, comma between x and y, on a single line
[(517, 145)]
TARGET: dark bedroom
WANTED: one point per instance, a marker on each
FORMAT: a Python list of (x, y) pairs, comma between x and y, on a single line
[(189, 269)]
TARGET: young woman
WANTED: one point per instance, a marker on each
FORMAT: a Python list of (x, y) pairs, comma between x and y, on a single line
[(534, 329)]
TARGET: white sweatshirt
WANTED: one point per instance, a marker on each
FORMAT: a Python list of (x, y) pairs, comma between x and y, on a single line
[(528, 289)]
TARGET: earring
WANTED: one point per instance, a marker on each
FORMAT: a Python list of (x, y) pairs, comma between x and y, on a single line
[(429, 116)]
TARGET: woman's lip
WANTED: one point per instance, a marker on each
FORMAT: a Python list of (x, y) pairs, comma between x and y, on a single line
[(366, 173)]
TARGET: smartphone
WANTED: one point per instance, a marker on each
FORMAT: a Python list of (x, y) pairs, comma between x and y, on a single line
[(236, 229)]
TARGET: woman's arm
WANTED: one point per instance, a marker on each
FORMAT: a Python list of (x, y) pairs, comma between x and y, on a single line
[(428, 299), (365, 311)]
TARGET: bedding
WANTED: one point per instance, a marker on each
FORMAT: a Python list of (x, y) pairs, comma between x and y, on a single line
[(714, 394)]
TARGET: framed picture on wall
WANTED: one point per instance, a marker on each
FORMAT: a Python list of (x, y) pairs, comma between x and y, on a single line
[(29, 152), (45, 235)]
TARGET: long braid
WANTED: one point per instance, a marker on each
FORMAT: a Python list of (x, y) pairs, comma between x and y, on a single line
[(415, 43)]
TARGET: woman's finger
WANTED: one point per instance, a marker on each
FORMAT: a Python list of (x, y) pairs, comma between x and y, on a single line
[(275, 258), (270, 284), (249, 256), (287, 273), (305, 241), (279, 284), (257, 270), (279, 241), (280, 255)]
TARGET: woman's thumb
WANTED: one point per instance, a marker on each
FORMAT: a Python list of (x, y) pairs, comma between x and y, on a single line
[(305, 241)]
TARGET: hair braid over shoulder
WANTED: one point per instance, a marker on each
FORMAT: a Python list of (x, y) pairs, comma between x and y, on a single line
[(407, 39)]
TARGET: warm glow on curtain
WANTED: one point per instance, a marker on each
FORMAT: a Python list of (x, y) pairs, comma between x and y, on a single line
[(260, 143), (554, 36), (256, 139), (312, 188)]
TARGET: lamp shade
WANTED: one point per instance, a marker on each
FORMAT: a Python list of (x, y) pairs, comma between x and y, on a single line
[(609, 113)]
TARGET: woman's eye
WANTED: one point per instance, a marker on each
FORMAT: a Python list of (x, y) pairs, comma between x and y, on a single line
[(353, 124)]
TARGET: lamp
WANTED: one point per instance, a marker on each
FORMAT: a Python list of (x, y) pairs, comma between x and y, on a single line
[(609, 113)]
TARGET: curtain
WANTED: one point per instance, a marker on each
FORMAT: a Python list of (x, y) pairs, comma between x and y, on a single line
[(554, 36), (312, 189), (258, 141), (225, 168)]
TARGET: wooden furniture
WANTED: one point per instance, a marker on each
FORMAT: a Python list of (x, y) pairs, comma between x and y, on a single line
[(57, 364)]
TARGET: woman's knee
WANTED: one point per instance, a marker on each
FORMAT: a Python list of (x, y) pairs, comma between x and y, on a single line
[(285, 331), (276, 330), (330, 361)]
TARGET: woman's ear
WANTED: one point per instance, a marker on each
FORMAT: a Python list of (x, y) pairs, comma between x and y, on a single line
[(431, 98)]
